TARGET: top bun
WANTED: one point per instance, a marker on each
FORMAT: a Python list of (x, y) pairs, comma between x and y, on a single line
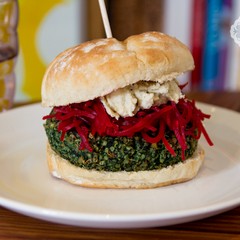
[(97, 68)]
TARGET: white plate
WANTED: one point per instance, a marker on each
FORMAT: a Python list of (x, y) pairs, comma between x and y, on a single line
[(27, 187)]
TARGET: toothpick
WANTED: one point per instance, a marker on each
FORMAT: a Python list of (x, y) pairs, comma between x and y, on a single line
[(105, 18)]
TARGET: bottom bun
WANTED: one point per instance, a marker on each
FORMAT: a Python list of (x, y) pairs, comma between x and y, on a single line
[(177, 173)]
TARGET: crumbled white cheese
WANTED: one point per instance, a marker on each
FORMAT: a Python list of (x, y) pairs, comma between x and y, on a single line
[(142, 95), (120, 103)]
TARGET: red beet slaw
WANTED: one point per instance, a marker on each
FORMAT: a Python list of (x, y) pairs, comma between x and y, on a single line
[(183, 118)]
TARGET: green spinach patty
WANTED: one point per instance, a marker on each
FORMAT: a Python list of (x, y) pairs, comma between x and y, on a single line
[(116, 153)]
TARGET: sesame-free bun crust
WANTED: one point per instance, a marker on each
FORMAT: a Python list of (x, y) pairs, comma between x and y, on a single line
[(178, 173), (99, 67)]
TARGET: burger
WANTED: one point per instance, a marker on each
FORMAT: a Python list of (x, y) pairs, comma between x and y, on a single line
[(119, 117)]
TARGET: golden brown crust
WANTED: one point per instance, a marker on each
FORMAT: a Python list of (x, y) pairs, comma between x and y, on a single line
[(178, 173), (98, 67)]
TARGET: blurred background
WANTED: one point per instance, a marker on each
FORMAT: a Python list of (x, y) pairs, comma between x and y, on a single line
[(46, 28)]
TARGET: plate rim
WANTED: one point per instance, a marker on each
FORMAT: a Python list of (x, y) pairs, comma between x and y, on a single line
[(42, 212)]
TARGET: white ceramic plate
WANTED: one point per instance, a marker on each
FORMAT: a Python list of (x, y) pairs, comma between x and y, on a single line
[(27, 187)]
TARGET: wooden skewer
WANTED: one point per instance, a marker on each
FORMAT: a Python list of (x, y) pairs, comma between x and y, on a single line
[(105, 18)]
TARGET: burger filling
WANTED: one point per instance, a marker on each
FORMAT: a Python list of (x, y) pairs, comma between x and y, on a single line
[(126, 102), (117, 153), (160, 127)]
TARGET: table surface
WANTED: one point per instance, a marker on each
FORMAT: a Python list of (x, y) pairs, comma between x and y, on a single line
[(223, 226)]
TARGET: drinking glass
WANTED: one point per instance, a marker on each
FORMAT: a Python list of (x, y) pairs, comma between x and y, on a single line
[(8, 51)]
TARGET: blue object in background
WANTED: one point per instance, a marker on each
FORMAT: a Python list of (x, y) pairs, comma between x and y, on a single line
[(211, 56)]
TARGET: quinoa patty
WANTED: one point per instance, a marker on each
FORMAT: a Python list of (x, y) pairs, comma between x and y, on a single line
[(116, 153)]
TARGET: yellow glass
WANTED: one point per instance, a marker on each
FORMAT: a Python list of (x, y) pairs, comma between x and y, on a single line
[(8, 51)]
